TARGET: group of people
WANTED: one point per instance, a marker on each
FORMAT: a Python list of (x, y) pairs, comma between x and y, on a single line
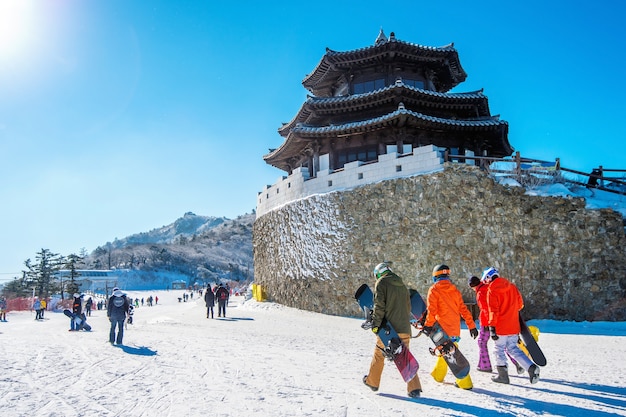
[(498, 299), (39, 305), (221, 294), (118, 310)]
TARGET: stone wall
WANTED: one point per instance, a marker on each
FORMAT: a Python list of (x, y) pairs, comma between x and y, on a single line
[(569, 262)]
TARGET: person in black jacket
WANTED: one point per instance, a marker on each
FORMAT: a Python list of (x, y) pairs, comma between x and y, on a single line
[(209, 299), (117, 310), (77, 310), (222, 299)]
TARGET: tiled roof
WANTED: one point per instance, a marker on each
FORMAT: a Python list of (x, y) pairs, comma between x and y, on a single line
[(329, 67), (305, 111), (365, 125)]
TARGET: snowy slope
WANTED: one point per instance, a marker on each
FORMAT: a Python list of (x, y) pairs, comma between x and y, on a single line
[(270, 360)]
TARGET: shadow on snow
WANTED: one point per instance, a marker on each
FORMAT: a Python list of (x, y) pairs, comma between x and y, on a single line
[(141, 350)]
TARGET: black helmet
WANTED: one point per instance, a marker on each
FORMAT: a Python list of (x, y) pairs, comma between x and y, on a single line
[(440, 271)]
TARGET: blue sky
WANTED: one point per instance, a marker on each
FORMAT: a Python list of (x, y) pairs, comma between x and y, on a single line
[(118, 116)]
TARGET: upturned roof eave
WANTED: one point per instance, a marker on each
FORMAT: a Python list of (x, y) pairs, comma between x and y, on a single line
[(308, 107), (361, 126), (327, 66), (301, 135)]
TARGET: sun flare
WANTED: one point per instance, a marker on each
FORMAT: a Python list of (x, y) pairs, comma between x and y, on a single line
[(15, 27)]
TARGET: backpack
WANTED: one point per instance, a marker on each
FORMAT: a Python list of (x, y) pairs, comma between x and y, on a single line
[(76, 306), (118, 301)]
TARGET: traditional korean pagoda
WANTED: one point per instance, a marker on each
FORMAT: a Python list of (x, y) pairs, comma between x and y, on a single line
[(393, 95)]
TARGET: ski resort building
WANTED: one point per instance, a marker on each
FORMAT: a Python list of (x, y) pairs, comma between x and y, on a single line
[(380, 112)]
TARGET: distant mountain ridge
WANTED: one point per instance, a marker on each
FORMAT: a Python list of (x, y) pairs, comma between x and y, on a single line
[(188, 225), (195, 249)]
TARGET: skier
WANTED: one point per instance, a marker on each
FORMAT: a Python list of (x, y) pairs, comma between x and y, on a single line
[(3, 309), (504, 302), (222, 299), (117, 309), (391, 302), (445, 305), (209, 299)]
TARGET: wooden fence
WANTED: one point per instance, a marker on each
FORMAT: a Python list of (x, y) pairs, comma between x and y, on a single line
[(528, 171)]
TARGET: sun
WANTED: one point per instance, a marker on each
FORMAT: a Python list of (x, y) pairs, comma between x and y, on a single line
[(15, 27)]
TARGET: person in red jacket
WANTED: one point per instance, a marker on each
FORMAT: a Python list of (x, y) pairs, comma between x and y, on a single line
[(504, 301), (484, 362), (445, 305)]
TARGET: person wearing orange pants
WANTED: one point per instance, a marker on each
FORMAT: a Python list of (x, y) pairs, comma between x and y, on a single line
[(372, 379), (391, 303)]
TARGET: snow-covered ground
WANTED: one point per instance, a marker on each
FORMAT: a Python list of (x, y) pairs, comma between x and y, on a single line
[(269, 360)]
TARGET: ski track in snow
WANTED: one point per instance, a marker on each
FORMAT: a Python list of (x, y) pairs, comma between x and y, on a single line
[(269, 360)]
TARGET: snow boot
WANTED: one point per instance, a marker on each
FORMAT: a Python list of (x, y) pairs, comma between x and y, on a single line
[(440, 370), (464, 383), (503, 375), (533, 373), (415, 393), (368, 385)]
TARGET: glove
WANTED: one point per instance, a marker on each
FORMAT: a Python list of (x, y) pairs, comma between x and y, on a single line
[(492, 332), (427, 329), (474, 333), (375, 330)]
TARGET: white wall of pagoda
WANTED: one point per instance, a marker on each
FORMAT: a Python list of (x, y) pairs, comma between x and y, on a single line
[(392, 165)]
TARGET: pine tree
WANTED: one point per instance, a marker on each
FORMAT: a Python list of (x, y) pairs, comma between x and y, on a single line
[(43, 274), (72, 261)]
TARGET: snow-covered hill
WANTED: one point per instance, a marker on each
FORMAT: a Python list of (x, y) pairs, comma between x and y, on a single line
[(193, 248), (189, 225)]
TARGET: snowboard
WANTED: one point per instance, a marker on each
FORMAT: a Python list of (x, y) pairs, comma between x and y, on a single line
[(394, 349), (78, 319), (444, 346), (533, 348)]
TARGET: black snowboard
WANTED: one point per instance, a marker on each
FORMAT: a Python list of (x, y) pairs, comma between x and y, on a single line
[(81, 320), (444, 346), (534, 350), (394, 348)]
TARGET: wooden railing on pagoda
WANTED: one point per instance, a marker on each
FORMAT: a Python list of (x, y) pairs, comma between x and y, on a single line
[(529, 171)]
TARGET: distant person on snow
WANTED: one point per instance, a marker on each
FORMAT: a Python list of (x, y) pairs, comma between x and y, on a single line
[(3, 309), (209, 300), (117, 310), (44, 304), (88, 306), (504, 302), (37, 308), (77, 309), (222, 299), (131, 312)]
